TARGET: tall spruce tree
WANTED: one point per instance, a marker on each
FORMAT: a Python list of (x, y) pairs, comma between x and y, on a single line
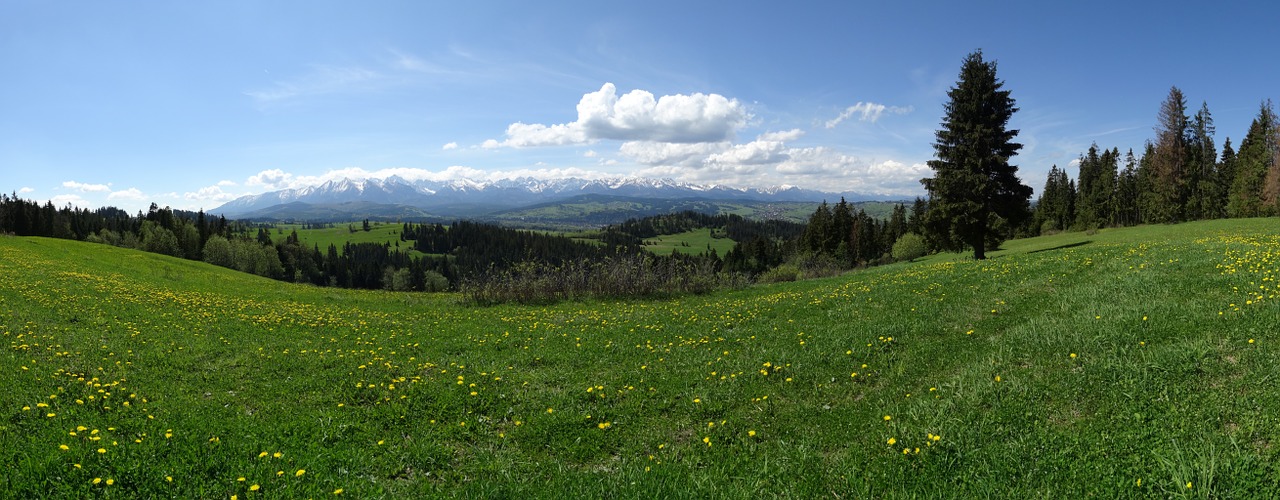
[(975, 195), (1169, 163), (1256, 157), (1202, 160)]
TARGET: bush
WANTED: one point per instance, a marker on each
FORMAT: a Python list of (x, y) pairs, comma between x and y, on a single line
[(909, 247), (785, 272)]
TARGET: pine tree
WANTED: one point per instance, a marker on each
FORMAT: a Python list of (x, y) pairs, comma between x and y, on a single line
[(1126, 194), (1225, 174), (1169, 164), (1202, 160), (975, 194), (1257, 157)]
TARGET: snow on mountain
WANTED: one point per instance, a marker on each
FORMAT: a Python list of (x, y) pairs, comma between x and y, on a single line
[(456, 197)]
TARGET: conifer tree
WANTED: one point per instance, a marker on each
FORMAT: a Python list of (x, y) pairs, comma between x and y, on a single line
[(1169, 162), (1257, 156), (975, 194)]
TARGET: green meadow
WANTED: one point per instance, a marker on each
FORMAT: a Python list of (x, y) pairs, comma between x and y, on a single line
[(1137, 362), (695, 242), (341, 234)]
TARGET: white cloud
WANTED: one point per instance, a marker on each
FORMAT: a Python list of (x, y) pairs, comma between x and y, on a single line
[(86, 188), (668, 153), (522, 135), (127, 194), (73, 199), (271, 179), (210, 194), (226, 183), (591, 153), (322, 79), (449, 146), (870, 111), (784, 136), (636, 116), (25, 190)]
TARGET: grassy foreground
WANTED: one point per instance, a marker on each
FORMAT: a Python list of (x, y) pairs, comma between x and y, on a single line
[(1134, 362)]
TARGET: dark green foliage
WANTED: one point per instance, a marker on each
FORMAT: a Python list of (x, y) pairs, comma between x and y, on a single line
[(975, 194), (1097, 182), (1168, 164), (1056, 209), (1256, 157), (1203, 200)]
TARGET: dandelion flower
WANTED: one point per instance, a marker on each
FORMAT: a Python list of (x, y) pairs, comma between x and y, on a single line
[(254, 488), (97, 480), (337, 491), (751, 433), (892, 441), (1073, 355), (888, 418), (300, 473), (110, 481), (63, 447), (102, 450)]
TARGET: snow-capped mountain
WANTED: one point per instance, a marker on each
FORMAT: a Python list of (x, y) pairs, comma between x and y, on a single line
[(468, 198)]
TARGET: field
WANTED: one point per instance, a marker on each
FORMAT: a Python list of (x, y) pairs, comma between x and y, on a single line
[(341, 234), (1128, 363), (694, 242)]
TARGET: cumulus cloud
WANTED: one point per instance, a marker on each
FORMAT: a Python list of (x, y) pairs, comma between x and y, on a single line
[(127, 194), (226, 183), (669, 153), (636, 116), (86, 188), (868, 111), (271, 179), (25, 190), (210, 194), (448, 146), (72, 199)]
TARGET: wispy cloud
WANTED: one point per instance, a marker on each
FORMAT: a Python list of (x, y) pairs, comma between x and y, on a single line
[(868, 111), (25, 190), (321, 80), (86, 188)]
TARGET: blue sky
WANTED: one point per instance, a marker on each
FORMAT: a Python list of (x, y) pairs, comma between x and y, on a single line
[(190, 104)]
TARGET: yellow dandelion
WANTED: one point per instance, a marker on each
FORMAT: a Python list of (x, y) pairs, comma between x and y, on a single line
[(337, 491), (63, 447), (97, 480), (751, 433), (892, 441), (102, 450), (255, 488), (299, 473), (888, 418), (110, 481)]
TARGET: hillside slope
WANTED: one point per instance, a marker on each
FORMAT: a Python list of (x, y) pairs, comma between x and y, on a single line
[(1132, 362)]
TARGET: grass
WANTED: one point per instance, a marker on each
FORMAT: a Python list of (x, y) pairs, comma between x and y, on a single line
[(341, 234), (695, 242), (1136, 363)]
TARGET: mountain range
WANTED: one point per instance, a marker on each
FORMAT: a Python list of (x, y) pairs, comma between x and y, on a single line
[(396, 197)]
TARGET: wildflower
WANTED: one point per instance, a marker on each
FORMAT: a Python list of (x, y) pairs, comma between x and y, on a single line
[(263, 455), (299, 473), (550, 411), (277, 454), (97, 480), (751, 433), (110, 481), (63, 447), (892, 441), (887, 418), (102, 450), (1073, 355), (337, 491), (254, 488), (707, 439)]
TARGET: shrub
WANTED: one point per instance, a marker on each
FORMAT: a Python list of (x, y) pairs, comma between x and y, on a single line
[(785, 272), (909, 247)]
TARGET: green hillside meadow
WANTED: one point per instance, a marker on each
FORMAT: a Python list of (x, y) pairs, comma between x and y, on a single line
[(1131, 362)]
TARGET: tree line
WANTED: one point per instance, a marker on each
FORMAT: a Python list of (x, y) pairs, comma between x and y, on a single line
[(1180, 176)]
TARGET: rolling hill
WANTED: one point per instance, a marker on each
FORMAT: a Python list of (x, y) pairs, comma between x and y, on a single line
[(1130, 362)]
